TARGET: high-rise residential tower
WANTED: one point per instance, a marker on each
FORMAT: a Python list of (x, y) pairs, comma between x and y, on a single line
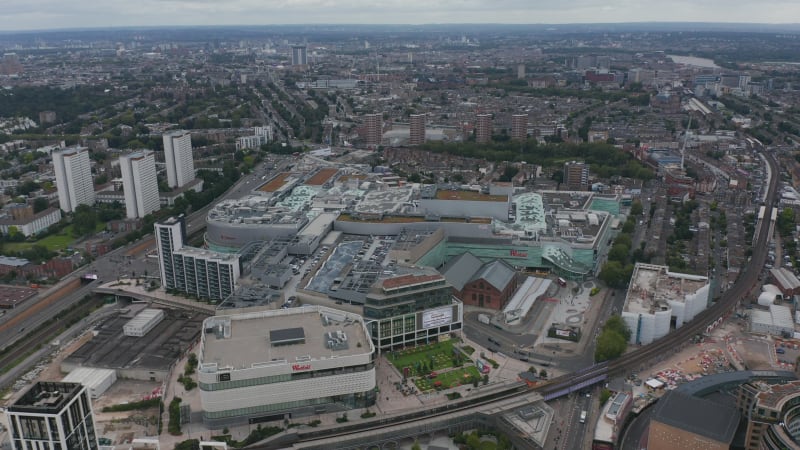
[(373, 124), (178, 156), (576, 176), (194, 271), (483, 128), (139, 183), (52, 415), (519, 127), (299, 55), (73, 178), (417, 123), (170, 235)]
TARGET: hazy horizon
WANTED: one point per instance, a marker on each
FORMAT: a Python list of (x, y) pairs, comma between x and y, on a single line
[(46, 15)]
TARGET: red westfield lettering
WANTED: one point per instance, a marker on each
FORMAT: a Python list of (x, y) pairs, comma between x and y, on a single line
[(519, 254), (299, 367)]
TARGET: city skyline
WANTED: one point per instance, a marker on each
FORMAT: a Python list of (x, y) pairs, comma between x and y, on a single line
[(23, 16)]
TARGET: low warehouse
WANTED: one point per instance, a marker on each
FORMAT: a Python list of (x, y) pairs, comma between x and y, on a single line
[(96, 381)]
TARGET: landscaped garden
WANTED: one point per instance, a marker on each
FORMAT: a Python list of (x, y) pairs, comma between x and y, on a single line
[(449, 379), (430, 365), (428, 358)]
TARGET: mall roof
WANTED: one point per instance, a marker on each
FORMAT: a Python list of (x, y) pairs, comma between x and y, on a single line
[(248, 338)]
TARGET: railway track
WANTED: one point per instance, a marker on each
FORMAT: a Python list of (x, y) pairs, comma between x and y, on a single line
[(45, 332), (630, 361)]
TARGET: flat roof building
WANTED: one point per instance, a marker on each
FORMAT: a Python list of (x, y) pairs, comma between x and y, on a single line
[(656, 295), (411, 309), (771, 414), (276, 364), (52, 415), (200, 272)]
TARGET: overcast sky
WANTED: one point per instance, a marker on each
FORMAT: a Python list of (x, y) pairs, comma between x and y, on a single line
[(49, 14)]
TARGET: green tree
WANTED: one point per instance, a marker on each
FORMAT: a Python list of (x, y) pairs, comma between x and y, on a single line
[(615, 274), (619, 252), (609, 346), (84, 220), (786, 222), (637, 208), (474, 441), (416, 445), (617, 325), (40, 204)]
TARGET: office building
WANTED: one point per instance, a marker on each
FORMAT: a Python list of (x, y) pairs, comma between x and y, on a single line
[(411, 309), (519, 127), (178, 157), (417, 125), (73, 178), (770, 411), (52, 415), (275, 364), (576, 176), (299, 55), (483, 128), (373, 129), (139, 183), (194, 271)]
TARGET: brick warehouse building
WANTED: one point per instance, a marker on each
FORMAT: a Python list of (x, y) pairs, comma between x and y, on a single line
[(487, 285)]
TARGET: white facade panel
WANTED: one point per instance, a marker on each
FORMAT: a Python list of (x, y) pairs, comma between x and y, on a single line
[(73, 172), (288, 391), (96, 381), (178, 158), (140, 184)]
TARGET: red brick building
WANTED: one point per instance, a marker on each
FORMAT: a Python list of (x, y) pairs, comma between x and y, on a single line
[(487, 285), (54, 268)]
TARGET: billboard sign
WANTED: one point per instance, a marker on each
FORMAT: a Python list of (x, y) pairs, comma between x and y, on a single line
[(437, 317), (565, 333)]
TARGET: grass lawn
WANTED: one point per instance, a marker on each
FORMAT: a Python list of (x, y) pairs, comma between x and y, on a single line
[(449, 379), (442, 353), (54, 242)]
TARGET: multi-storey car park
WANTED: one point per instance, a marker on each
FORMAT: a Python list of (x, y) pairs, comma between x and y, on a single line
[(269, 365)]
